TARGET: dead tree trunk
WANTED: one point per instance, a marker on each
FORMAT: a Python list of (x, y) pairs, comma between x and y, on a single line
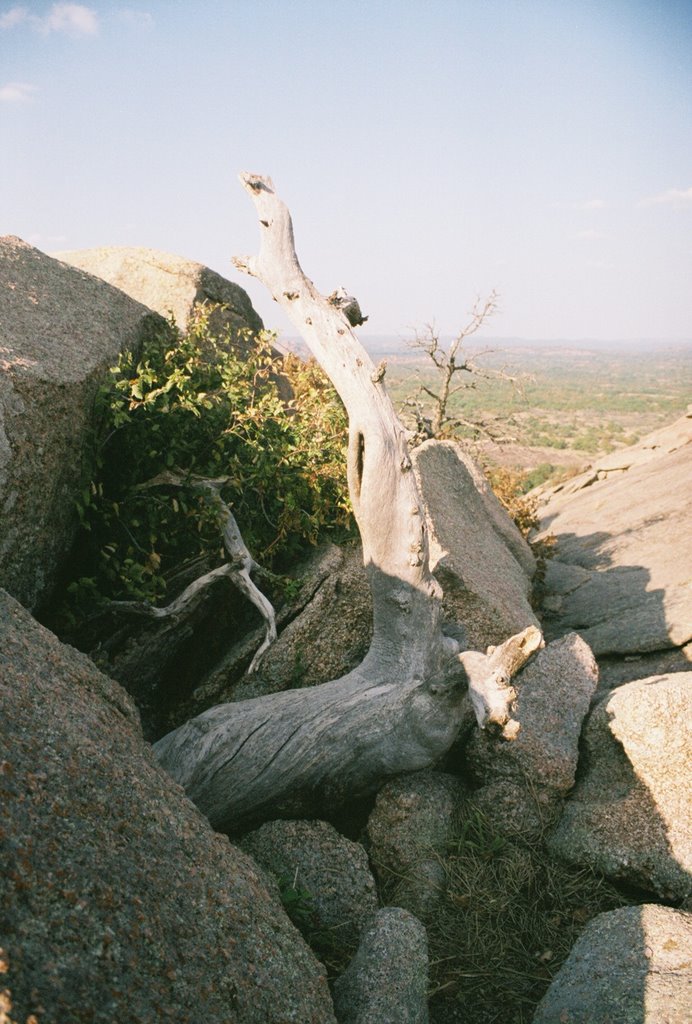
[(299, 751)]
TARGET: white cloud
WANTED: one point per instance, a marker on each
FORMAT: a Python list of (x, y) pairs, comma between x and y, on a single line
[(137, 19), (73, 19), (678, 196), (13, 17), (589, 235), (16, 92)]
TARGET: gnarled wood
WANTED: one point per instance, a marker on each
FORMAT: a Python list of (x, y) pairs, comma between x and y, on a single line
[(301, 751), (381, 483), (490, 677), (238, 568), (305, 751)]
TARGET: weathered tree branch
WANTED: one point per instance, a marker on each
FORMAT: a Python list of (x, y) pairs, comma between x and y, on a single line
[(306, 751), (238, 568), (379, 467), (490, 676), (303, 750)]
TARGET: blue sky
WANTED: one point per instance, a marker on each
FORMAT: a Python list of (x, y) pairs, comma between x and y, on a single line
[(429, 151)]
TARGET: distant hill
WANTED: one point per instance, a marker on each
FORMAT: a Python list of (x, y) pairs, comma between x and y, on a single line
[(380, 345)]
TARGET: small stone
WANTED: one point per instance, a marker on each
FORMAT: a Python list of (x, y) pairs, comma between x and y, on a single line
[(332, 871), (387, 980)]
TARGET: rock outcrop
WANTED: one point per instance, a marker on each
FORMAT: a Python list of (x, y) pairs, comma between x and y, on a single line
[(523, 783), (117, 901), (485, 587), (60, 330), (169, 284), (629, 965), (630, 815), (623, 559)]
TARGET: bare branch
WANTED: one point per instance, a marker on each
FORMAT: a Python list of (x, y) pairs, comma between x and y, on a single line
[(446, 360), (237, 570)]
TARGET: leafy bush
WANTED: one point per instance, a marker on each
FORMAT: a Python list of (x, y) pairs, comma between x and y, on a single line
[(510, 488), (208, 406)]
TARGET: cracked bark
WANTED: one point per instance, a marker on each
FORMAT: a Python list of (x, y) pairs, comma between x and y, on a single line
[(301, 751)]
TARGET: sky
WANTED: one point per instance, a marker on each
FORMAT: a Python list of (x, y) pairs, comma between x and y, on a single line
[(429, 152)]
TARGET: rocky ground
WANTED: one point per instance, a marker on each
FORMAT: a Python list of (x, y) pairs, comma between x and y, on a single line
[(118, 901)]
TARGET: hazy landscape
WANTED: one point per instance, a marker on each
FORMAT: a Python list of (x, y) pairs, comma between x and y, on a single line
[(569, 401)]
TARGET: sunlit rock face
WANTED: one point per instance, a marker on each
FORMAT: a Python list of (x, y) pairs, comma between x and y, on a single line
[(630, 814), (60, 331), (628, 965), (477, 554), (622, 560), (168, 284)]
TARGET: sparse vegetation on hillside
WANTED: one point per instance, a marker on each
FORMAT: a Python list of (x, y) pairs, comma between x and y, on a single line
[(575, 405), (510, 487)]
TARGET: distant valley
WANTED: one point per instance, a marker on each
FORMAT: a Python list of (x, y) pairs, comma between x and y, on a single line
[(570, 401)]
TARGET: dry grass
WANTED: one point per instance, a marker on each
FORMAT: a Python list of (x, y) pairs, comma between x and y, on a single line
[(506, 923), (508, 916)]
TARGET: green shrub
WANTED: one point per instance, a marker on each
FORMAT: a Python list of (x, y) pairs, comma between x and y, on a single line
[(208, 406)]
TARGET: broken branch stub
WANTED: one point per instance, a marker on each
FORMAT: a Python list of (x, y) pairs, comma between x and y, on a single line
[(490, 676), (303, 751)]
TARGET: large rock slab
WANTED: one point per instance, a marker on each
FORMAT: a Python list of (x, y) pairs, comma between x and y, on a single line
[(117, 900), (486, 589), (169, 284), (60, 330), (623, 560), (524, 781), (504, 526), (387, 980), (630, 814), (629, 965)]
